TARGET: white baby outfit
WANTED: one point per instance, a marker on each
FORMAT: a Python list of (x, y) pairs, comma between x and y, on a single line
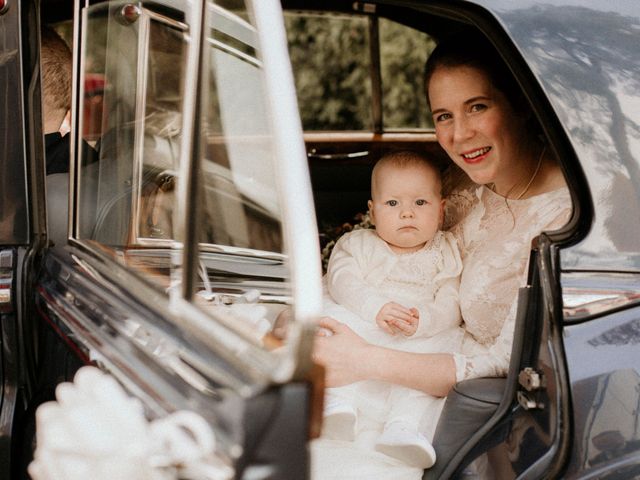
[(363, 275)]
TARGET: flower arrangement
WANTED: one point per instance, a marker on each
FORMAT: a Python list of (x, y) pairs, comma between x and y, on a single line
[(95, 430)]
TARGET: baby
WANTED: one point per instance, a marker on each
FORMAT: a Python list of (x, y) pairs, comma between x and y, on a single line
[(396, 286)]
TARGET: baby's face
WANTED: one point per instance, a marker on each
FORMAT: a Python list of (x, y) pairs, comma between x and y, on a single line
[(406, 207)]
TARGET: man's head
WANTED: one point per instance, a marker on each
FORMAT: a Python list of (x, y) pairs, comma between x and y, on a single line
[(55, 62)]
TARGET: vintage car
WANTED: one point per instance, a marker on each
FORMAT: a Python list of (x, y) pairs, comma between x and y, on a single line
[(176, 259)]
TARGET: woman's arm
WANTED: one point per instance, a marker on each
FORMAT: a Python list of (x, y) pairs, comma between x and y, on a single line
[(348, 358)]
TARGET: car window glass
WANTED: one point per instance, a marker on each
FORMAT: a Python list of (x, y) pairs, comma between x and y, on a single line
[(129, 198), (403, 53), (241, 215), (239, 187), (330, 58)]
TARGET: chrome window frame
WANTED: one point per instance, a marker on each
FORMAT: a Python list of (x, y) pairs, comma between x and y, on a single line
[(294, 190), (146, 16)]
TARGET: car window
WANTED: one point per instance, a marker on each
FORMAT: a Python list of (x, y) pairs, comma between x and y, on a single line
[(239, 193), (331, 62), (331, 55), (403, 53), (131, 203)]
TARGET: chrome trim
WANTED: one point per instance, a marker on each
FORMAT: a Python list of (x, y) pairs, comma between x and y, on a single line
[(235, 52), (590, 294), (217, 334), (336, 156), (168, 20), (77, 93), (139, 117), (299, 222), (190, 150), (405, 135), (214, 248)]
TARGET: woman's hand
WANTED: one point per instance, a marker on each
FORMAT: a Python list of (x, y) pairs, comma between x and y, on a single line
[(340, 351)]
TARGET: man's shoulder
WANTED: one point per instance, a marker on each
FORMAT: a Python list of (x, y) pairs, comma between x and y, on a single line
[(56, 153)]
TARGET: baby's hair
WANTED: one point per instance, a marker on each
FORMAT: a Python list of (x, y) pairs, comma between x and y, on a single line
[(404, 159)]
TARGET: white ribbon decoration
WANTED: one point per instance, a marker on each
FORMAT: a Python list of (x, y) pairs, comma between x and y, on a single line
[(94, 430)]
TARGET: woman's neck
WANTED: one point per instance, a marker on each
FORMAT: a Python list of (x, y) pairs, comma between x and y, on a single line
[(540, 175)]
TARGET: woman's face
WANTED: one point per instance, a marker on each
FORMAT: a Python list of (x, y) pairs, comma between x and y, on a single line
[(478, 128)]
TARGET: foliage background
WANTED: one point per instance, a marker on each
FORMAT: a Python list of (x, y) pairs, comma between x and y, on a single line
[(330, 57)]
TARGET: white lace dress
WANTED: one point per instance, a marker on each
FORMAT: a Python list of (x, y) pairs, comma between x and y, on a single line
[(495, 241)]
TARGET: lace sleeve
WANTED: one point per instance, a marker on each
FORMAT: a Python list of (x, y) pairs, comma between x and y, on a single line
[(442, 311), (457, 207), (487, 361), (484, 357)]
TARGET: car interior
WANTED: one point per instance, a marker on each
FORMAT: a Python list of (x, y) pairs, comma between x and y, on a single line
[(340, 163), (349, 113)]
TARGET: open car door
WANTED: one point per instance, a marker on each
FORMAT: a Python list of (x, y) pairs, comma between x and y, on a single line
[(22, 223), (191, 271)]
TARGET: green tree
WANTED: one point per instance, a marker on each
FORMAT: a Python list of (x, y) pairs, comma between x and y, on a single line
[(331, 71), (331, 61)]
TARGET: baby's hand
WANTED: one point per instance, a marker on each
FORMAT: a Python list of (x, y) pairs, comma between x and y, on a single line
[(394, 318)]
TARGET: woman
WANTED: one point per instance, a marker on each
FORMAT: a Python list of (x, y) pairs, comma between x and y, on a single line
[(483, 123)]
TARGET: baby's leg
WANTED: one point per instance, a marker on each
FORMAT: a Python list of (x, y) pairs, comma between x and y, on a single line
[(339, 420), (408, 432), (416, 408)]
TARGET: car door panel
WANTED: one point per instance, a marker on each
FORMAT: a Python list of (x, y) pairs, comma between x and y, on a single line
[(22, 223), (114, 295), (106, 325)]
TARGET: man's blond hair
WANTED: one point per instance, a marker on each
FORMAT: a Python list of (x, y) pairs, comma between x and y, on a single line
[(55, 61)]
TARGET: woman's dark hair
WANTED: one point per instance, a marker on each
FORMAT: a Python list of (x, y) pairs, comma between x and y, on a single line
[(472, 49)]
